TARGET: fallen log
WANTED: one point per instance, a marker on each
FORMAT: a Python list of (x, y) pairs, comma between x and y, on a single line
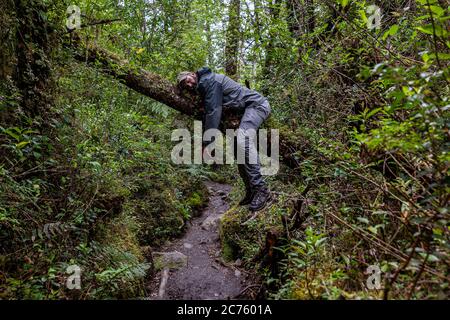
[(149, 84)]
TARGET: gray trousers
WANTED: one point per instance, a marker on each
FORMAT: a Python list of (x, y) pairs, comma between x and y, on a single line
[(250, 171)]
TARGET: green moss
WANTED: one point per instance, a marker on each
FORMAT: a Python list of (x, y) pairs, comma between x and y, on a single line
[(229, 251), (230, 248), (240, 237), (195, 200), (198, 198)]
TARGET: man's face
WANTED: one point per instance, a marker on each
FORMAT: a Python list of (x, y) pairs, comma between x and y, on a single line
[(191, 81)]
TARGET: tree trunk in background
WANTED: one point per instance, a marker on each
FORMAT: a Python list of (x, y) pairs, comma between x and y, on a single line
[(210, 49), (26, 44), (7, 54), (293, 18), (311, 19), (301, 19), (25, 72), (232, 40), (7, 39), (257, 33), (33, 46), (332, 21), (274, 14)]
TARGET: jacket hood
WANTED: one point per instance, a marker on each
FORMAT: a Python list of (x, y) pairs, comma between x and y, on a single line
[(201, 72)]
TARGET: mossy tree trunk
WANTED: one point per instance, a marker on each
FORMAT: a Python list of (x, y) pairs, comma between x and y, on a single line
[(233, 40), (33, 45), (138, 79)]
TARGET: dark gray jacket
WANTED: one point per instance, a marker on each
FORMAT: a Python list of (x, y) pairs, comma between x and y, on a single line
[(219, 91)]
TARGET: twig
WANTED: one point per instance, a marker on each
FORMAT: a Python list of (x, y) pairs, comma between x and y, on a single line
[(162, 287), (246, 288), (386, 246), (397, 272), (94, 23), (422, 268)]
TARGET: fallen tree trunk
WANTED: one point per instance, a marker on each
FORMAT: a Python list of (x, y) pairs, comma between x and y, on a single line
[(138, 79), (160, 89)]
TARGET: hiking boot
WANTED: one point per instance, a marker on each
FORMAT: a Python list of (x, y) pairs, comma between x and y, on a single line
[(260, 199), (247, 199)]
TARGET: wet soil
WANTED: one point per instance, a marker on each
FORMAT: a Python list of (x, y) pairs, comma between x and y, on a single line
[(205, 276)]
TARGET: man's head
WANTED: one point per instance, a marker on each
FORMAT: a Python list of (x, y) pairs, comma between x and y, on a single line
[(187, 79)]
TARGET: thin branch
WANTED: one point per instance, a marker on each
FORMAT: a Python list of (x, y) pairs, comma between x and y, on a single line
[(95, 23)]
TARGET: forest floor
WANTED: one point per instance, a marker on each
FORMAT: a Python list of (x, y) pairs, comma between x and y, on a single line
[(192, 267)]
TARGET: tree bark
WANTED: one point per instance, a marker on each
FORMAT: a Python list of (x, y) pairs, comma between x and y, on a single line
[(294, 12), (274, 13), (233, 39), (33, 73), (138, 79)]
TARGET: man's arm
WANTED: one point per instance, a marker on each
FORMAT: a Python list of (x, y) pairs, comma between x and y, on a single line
[(213, 95)]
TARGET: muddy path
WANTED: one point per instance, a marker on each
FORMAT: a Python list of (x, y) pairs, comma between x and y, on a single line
[(192, 267)]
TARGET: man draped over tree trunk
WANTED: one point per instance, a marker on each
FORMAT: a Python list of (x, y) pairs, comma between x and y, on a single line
[(218, 92)]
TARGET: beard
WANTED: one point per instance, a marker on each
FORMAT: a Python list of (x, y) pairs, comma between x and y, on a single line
[(191, 90)]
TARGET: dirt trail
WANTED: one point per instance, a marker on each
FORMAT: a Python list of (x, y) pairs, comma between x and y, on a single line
[(204, 276)]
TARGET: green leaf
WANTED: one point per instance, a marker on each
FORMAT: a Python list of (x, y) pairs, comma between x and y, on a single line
[(319, 242), (437, 10), (22, 144), (428, 29), (363, 16), (426, 2), (363, 220), (373, 112), (12, 134), (443, 56), (425, 57), (391, 32), (374, 230)]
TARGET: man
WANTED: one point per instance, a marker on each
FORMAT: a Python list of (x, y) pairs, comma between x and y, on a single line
[(219, 91)]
